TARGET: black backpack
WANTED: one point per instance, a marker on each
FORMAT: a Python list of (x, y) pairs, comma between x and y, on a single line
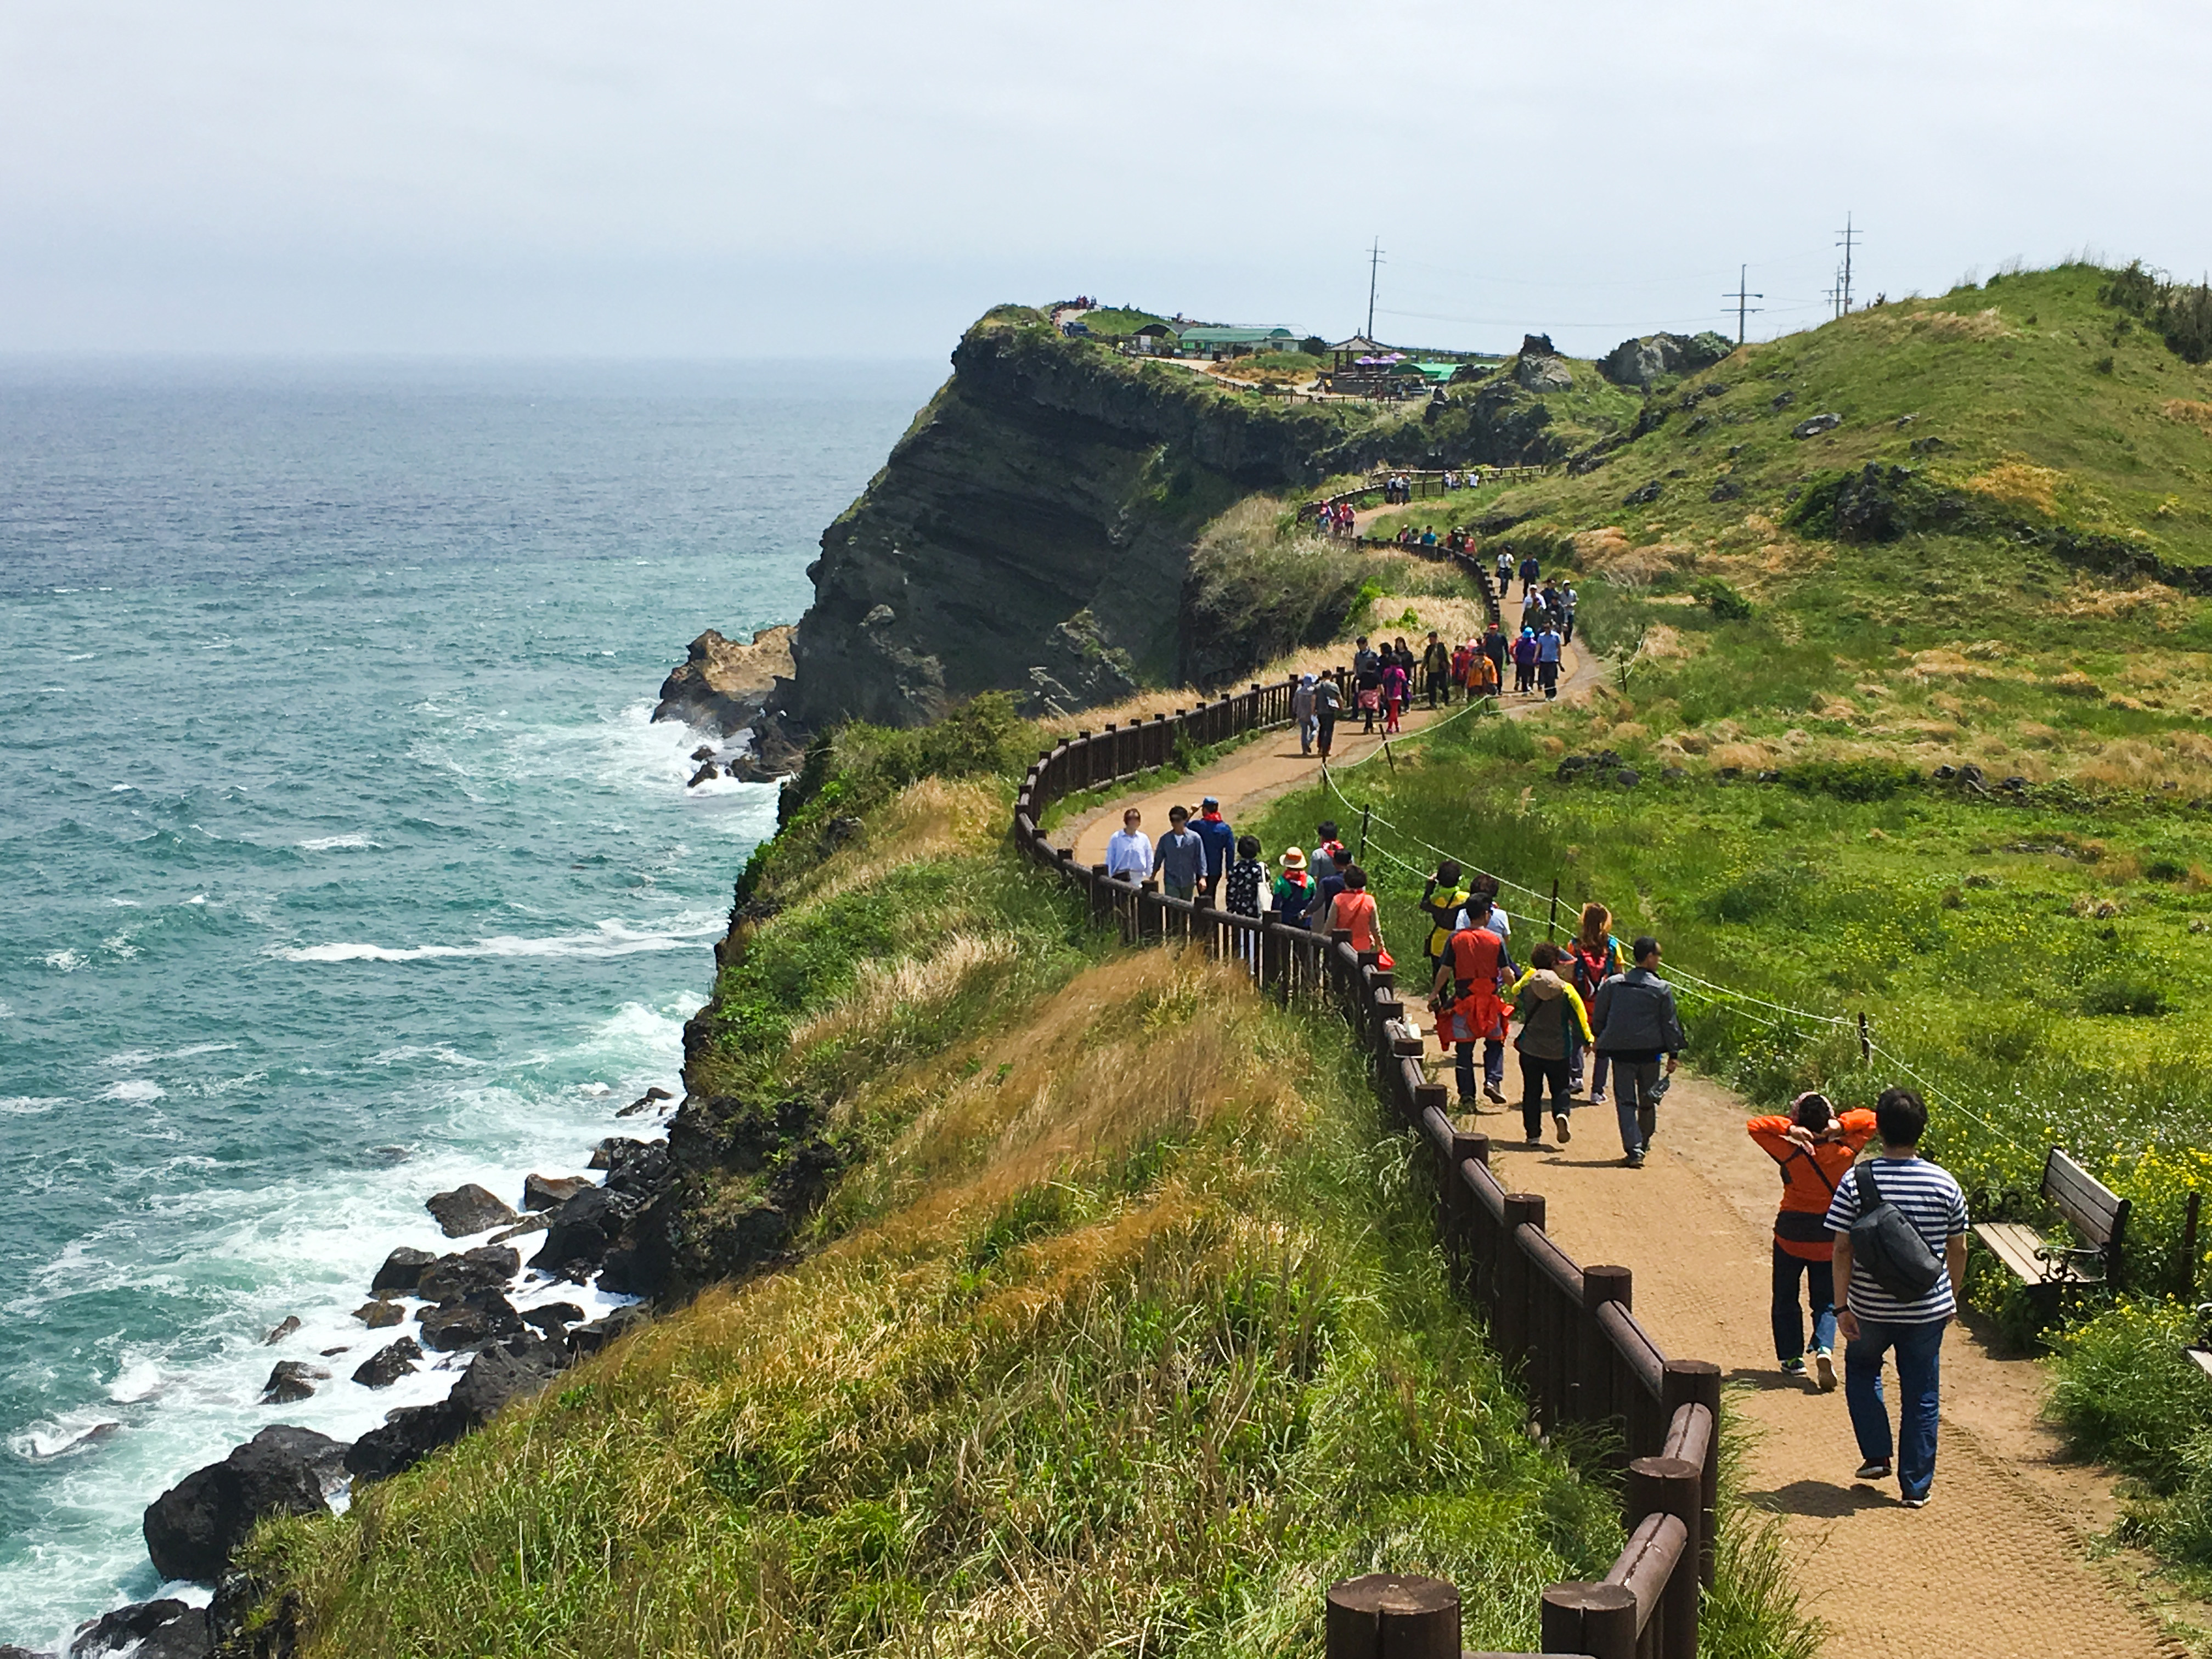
[(1891, 1246)]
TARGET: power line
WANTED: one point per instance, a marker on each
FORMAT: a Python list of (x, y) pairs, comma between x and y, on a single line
[(1742, 273)]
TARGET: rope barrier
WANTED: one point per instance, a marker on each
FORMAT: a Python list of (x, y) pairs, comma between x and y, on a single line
[(1707, 990)]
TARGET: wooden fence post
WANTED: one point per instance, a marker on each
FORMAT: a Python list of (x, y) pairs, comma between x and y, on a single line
[(1601, 1285), (1513, 1275), (1669, 1486), (1387, 1615), (1697, 1383), (1597, 1619)]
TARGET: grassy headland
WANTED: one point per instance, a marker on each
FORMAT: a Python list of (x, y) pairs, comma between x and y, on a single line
[(1123, 1327)]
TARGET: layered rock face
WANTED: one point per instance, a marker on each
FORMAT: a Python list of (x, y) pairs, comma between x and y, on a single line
[(1031, 532)]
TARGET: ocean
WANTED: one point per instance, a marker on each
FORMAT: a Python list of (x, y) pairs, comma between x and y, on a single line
[(340, 863)]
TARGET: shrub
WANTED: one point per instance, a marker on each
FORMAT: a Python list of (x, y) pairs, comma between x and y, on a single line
[(2127, 1394), (1855, 780), (2124, 996), (1722, 600)]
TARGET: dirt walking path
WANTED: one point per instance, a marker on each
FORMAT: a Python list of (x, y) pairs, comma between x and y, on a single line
[(1271, 766), (1998, 1566)]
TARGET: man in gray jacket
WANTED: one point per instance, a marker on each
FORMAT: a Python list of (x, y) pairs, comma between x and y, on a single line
[(1638, 1026), (1179, 857)]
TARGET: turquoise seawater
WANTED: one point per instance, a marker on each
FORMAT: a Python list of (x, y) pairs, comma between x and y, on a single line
[(338, 861)]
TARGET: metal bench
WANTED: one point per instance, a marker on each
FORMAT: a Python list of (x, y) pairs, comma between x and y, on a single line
[(2096, 1213)]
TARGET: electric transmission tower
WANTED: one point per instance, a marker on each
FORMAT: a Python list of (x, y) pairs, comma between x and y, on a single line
[(1740, 296), (1845, 240)]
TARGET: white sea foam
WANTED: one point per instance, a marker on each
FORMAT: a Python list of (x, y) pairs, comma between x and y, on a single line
[(30, 1105), (134, 1088), (609, 939), (68, 961), (139, 1379), (337, 844)]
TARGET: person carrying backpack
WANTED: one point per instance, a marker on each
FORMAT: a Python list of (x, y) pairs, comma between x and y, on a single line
[(1815, 1147), (1441, 901), (1328, 704), (1900, 1225), (1553, 1020), (1593, 956)]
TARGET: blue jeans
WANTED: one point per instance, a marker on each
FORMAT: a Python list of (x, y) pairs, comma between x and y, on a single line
[(1919, 1362), (1789, 1317), (1597, 1068)]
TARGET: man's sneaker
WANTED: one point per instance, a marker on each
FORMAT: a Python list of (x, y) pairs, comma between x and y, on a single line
[(1636, 1159), (1493, 1094), (1824, 1366), (1875, 1468), (1919, 1502), (1793, 1368), (1597, 1097), (1559, 1122)]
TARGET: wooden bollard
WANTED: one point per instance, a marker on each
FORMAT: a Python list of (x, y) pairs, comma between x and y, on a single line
[(1597, 1619), (1601, 1285), (1513, 1274), (1670, 1486), (1698, 1382), (1388, 1615)]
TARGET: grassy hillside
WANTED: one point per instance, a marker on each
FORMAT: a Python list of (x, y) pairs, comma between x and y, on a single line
[(2013, 588), (1123, 1329)]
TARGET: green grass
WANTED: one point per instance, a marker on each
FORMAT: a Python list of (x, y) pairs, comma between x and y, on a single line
[(1138, 1338), (1108, 321), (2032, 371)]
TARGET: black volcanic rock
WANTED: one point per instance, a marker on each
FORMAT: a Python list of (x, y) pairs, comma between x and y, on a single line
[(402, 1269), (192, 1528), (388, 1364), (407, 1435), (469, 1209), (469, 1322), (548, 1192), (486, 1268), (120, 1628), (291, 1380)]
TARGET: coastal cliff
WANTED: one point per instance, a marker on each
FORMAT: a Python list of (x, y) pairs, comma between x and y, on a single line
[(1033, 530)]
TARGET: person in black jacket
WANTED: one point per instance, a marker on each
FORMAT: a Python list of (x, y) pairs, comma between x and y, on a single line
[(1638, 1026)]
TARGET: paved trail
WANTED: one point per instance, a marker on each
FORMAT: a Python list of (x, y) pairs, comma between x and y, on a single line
[(1997, 1566)]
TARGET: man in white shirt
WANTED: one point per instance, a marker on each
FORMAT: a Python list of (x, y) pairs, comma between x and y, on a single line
[(1128, 853)]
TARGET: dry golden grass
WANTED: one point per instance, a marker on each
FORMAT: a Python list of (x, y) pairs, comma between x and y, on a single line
[(880, 989), (2192, 413), (1943, 325), (933, 818), (2088, 596), (2019, 483)]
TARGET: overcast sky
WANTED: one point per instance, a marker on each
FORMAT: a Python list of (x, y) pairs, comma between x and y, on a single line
[(677, 178)]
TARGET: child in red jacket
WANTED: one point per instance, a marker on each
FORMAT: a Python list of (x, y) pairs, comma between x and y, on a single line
[(1815, 1147)]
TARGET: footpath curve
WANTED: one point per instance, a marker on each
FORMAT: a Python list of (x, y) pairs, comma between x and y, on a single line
[(1999, 1565)]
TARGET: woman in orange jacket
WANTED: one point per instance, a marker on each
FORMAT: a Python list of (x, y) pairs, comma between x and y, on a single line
[(1813, 1147)]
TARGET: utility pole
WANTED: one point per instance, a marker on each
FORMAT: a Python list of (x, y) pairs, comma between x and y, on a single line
[(1374, 263), (1846, 241), (1834, 295), (1740, 296)]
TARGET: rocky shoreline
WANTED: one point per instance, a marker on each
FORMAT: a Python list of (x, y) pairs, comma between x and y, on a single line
[(724, 688), (463, 1307)]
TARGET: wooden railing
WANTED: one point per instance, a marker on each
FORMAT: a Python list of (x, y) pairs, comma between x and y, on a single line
[(1569, 1332)]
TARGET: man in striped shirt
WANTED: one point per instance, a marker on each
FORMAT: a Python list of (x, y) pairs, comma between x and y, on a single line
[(1875, 1319)]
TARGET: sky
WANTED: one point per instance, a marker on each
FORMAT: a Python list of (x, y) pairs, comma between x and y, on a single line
[(671, 179)]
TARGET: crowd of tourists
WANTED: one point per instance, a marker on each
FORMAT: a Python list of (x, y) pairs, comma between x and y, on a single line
[(1591, 1021)]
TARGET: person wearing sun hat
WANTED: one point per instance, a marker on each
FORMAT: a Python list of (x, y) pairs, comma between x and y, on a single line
[(1293, 889)]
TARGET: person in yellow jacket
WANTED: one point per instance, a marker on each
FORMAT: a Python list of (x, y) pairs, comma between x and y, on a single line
[(1813, 1144), (1553, 1020), (1441, 901)]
